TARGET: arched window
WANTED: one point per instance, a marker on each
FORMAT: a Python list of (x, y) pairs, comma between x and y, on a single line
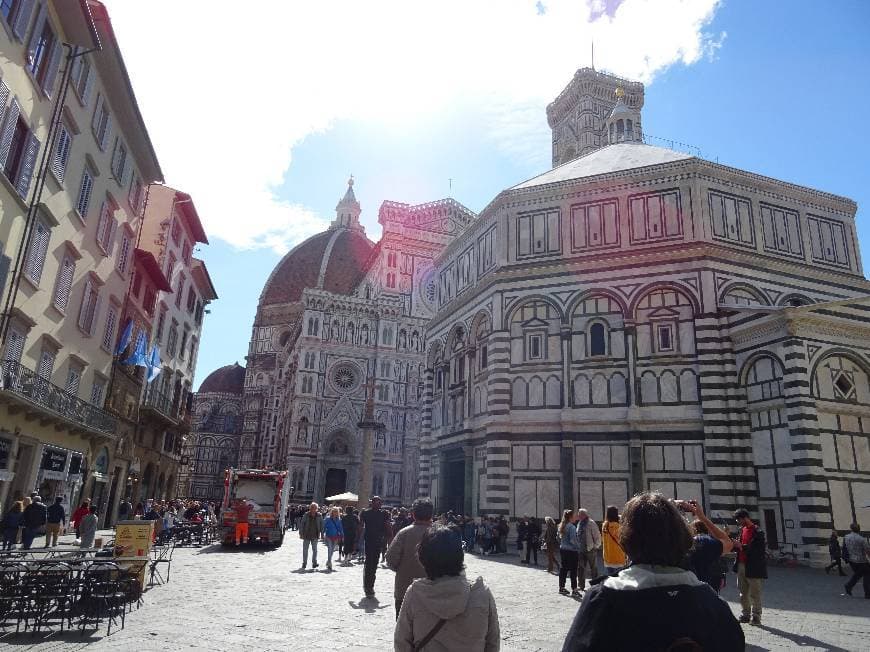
[(597, 340)]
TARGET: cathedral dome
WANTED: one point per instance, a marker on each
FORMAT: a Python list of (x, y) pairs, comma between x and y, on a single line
[(334, 260), (226, 380)]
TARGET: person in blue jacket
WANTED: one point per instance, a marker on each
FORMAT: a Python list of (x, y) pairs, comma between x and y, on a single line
[(333, 533)]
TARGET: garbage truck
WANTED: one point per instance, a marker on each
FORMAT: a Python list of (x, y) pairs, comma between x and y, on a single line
[(268, 493)]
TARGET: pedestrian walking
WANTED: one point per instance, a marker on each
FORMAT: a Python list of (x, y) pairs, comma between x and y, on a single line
[(522, 528), (402, 553), (590, 542), (88, 528), (857, 553), (612, 552), (33, 519), (11, 522), (55, 519), (125, 509), (83, 510), (551, 543), (350, 525), (653, 604), (445, 611), (333, 533), (532, 539), (310, 530), (503, 528), (569, 551), (751, 567), (708, 545), (836, 554), (375, 524)]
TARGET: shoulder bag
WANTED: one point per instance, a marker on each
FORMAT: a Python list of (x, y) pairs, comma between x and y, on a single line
[(432, 632)]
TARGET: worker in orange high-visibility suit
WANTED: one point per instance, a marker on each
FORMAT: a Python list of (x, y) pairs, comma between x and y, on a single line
[(243, 509)]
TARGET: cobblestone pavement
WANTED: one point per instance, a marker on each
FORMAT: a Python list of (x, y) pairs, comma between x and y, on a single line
[(259, 599)]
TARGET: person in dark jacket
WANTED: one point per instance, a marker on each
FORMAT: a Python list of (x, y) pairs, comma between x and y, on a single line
[(653, 604), (55, 520), (34, 519), (750, 566), (533, 539), (350, 524), (11, 522), (836, 553)]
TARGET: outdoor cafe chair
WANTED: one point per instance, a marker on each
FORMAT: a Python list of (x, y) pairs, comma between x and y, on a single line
[(11, 574), (51, 594), (103, 595), (160, 555)]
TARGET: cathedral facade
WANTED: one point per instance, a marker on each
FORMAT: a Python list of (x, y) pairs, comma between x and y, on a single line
[(635, 318), (342, 319)]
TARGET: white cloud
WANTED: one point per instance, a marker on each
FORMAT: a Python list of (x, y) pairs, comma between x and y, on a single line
[(229, 88)]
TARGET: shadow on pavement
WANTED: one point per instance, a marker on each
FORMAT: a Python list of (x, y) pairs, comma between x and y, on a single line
[(35, 638), (230, 550), (371, 605), (803, 641)]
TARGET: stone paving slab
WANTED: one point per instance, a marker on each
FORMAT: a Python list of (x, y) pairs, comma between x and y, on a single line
[(259, 599)]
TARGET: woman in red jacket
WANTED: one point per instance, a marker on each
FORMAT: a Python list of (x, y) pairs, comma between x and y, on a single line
[(79, 514)]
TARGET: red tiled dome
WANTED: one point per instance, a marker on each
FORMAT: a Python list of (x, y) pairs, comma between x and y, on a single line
[(340, 253), (226, 380)]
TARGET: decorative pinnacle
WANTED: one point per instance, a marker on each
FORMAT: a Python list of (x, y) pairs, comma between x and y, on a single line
[(350, 181)]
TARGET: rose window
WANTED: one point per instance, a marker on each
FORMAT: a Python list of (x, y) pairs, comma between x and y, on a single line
[(345, 377)]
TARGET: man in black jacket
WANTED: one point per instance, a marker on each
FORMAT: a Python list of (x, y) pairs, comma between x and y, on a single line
[(751, 567), (33, 519), (55, 520)]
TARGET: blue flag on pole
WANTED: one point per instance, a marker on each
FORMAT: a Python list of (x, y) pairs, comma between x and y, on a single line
[(153, 364), (126, 336), (138, 356)]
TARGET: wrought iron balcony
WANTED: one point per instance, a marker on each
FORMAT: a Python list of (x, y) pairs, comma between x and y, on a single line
[(162, 404), (37, 394)]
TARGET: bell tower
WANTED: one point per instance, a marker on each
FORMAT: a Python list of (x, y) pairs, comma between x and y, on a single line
[(578, 116)]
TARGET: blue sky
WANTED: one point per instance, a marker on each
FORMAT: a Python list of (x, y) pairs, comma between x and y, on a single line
[(777, 88)]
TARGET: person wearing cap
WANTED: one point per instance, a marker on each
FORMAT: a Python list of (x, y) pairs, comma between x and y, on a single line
[(34, 518)]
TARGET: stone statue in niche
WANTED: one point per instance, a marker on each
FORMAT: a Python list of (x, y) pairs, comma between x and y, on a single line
[(415, 341), (403, 340)]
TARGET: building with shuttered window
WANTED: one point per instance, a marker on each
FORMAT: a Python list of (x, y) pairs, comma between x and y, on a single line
[(58, 433)]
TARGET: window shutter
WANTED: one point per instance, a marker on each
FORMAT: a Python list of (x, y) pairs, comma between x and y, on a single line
[(31, 149), (95, 118), (64, 282), (89, 83), (110, 236), (22, 18), (123, 255), (4, 97), (61, 153), (107, 131), (95, 314), (83, 311), (109, 334), (103, 224), (38, 250), (34, 36), (53, 66), (9, 125), (46, 364), (85, 194), (114, 165), (14, 346)]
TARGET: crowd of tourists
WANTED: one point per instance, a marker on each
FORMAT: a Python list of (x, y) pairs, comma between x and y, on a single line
[(665, 562), (30, 518)]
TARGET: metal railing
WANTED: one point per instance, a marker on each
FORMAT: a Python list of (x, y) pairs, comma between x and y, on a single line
[(161, 402), (21, 381)]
